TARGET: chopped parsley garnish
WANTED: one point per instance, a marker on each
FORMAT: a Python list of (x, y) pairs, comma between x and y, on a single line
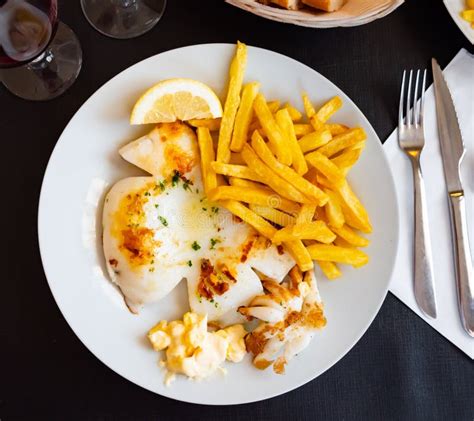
[(216, 305), (197, 190), (204, 209), (190, 263), (157, 205), (163, 220), (186, 185), (215, 209), (214, 241), (147, 193), (212, 300), (161, 185), (200, 298), (175, 178), (152, 269), (195, 246)]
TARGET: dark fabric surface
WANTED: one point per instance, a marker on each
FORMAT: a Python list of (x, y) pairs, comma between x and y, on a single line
[(401, 369)]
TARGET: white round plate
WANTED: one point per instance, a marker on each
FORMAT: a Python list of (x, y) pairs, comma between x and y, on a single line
[(85, 164)]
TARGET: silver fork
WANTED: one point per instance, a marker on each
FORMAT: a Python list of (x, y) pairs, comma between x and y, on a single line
[(411, 139)]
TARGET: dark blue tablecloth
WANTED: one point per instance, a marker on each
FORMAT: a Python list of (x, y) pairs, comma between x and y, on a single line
[(401, 369)]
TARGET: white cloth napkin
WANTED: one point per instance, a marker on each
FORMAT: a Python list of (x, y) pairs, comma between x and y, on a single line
[(460, 78)]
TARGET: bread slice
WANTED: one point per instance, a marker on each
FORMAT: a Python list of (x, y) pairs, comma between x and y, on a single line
[(326, 5), (286, 4)]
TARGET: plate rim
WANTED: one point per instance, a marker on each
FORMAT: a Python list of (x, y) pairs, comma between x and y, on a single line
[(296, 385)]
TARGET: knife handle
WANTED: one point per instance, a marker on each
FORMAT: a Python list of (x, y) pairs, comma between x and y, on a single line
[(423, 261), (463, 261)]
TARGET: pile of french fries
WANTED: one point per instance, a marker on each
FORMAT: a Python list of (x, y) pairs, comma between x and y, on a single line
[(284, 177)]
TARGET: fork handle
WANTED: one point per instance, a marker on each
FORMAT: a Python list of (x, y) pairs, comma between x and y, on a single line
[(423, 261), (463, 262)]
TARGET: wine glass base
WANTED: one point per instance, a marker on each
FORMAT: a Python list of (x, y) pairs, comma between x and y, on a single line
[(123, 19), (49, 75)]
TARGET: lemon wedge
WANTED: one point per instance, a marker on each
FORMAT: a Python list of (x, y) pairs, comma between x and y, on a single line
[(176, 99)]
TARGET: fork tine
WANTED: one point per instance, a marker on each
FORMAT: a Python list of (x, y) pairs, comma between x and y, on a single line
[(402, 97), (407, 118), (422, 99), (415, 109)]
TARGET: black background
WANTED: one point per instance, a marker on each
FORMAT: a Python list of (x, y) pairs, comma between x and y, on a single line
[(401, 368)]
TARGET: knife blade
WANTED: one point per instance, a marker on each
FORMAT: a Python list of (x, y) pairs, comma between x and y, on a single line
[(452, 152), (452, 145)]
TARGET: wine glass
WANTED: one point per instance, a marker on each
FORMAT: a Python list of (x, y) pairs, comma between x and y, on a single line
[(123, 18), (40, 57)]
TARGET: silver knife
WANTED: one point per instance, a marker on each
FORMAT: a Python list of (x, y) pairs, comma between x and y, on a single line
[(452, 152)]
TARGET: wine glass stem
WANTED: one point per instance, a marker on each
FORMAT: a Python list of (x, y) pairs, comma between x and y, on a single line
[(42, 61)]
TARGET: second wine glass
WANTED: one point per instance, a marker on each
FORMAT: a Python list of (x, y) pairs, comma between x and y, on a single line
[(123, 18)]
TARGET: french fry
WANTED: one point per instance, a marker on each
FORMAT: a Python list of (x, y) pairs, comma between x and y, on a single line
[(347, 159), (342, 243), (316, 230), (359, 145), (230, 170), (323, 181), (468, 15), (206, 148), (343, 141), (251, 218), (283, 204), (273, 106), (270, 178), (330, 269), (306, 213), (243, 116), (274, 200), (242, 182), (283, 119), (316, 195), (325, 112), (354, 212), (347, 234), (273, 215), (213, 124), (236, 76), (271, 129), (302, 129), (330, 253), (299, 252), (333, 210), (336, 128), (325, 166), (308, 107), (255, 195), (295, 115), (314, 140)]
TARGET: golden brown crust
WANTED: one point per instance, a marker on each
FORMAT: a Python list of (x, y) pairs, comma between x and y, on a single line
[(286, 4), (279, 365), (262, 364), (326, 5)]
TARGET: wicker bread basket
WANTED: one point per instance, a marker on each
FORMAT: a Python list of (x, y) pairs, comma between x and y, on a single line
[(353, 13)]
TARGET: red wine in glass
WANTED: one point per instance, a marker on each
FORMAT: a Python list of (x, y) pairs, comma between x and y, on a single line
[(39, 56)]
